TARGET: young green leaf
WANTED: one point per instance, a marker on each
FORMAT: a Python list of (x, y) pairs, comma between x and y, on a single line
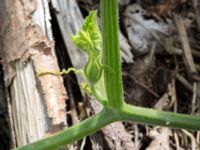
[(89, 37), (92, 27), (89, 40)]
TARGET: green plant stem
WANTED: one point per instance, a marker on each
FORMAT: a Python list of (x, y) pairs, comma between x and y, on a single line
[(155, 117), (101, 99), (111, 52), (113, 80), (74, 133), (116, 110)]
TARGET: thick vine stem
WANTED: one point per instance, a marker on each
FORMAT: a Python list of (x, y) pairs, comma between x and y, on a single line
[(111, 53), (115, 109), (161, 118), (75, 132)]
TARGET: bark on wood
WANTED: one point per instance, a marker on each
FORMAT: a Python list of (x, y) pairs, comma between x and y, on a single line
[(37, 103)]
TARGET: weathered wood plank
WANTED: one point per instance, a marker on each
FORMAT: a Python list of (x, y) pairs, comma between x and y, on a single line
[(37, 103)]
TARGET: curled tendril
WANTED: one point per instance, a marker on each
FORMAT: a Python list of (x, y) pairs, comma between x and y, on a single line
[(41, 73)]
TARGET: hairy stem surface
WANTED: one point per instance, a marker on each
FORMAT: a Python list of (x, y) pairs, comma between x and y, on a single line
[(111, 52), (74, 133), (155, 117)]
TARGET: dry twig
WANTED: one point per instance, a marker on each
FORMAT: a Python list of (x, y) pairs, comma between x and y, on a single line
[(197, 11), (187, 53), (193, 143)]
